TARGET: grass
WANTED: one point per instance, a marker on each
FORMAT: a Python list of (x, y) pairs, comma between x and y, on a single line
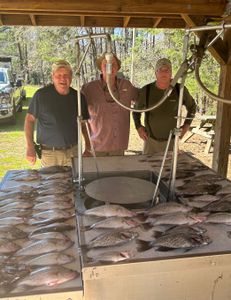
[(12, 141)]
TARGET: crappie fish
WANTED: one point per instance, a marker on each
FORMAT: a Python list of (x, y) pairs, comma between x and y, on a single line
[(186, 229), (28, 177), (53, 227), (54, 198), (44, 246), (114, 256), (180, 241), (12, 220), (15, 212), (207, 178), (206, 198), (11, 233), (218, 206), (48, 235), (167, 208), (219, 218), (53, 205), (48, 276), (191, 189), (110, 210), (58, 190), (225, 190), (52, 214), (180, 174), (7, 247), (58, 176), (178, 218), (110, 239), (114, 222), (48, 259), (17, 204), (54, 169), (24, 188)]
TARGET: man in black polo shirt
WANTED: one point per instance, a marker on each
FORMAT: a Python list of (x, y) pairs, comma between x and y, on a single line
[(55, 109), (160, 121)]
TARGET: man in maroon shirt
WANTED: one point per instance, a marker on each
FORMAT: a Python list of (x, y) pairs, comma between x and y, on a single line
[(109, 123)]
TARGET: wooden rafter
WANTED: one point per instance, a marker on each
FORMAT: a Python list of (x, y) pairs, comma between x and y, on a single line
[(126, 21), (1, 21), (82, 21), (156, 22), (33, 20)]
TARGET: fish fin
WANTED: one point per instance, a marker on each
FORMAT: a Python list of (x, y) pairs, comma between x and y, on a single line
[(229, 234), (88, 259), (146, 226), (164, 249), (86, 228), (141, 217), (157, 234), (143, 245)]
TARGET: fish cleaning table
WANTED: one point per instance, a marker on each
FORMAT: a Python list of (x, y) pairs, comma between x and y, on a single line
[(201, 273)]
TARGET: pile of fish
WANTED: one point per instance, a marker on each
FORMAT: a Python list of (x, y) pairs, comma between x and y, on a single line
[(121, 227), (35, 221)]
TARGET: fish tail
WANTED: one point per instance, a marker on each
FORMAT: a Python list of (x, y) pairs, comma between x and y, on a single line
[(143, 245)]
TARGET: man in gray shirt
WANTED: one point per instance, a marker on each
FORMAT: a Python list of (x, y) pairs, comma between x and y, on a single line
[(54, 107)]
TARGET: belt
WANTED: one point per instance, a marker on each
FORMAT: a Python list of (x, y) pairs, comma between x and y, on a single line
[(44, 147)]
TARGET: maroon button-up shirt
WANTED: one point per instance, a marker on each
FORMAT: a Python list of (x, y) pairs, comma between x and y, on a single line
[(109, 122)]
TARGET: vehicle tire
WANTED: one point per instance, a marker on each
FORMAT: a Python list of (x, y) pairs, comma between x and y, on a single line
[(12, 120), (20, 108)]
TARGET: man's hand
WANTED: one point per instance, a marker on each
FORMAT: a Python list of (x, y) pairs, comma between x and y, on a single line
[(142, 133), (87, 153), (31, 154), (184, 129)]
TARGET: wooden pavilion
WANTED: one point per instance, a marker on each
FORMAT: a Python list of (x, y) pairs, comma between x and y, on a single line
[(142, 14)]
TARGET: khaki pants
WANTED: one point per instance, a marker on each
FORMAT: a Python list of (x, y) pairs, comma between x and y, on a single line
[(152, 146), (58, 157), (109, 153)]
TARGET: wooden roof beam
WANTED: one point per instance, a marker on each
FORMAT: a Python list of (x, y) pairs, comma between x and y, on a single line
[(218, 49), (126, 21), (33, 20), (203, 7)]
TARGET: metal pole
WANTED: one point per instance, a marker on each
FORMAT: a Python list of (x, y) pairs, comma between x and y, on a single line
[(161, 169), (207, 27), (179, 120), (132, 59), (79, 120)]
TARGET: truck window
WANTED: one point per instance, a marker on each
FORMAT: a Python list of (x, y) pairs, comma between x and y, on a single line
[(3, 77)]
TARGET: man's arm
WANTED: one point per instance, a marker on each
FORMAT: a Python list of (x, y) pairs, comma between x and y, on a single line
[(139, 127), (87, 151), (29, 135), (191, 106)]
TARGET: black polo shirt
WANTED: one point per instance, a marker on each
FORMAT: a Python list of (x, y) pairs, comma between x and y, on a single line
[(56, 116)]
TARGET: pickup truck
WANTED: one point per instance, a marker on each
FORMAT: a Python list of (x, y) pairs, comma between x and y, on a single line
[(12, 94)]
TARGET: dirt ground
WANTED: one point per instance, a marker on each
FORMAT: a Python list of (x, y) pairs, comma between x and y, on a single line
[(195, 146)]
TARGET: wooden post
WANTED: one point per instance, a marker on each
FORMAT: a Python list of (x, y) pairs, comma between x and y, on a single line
[(223, 120)]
